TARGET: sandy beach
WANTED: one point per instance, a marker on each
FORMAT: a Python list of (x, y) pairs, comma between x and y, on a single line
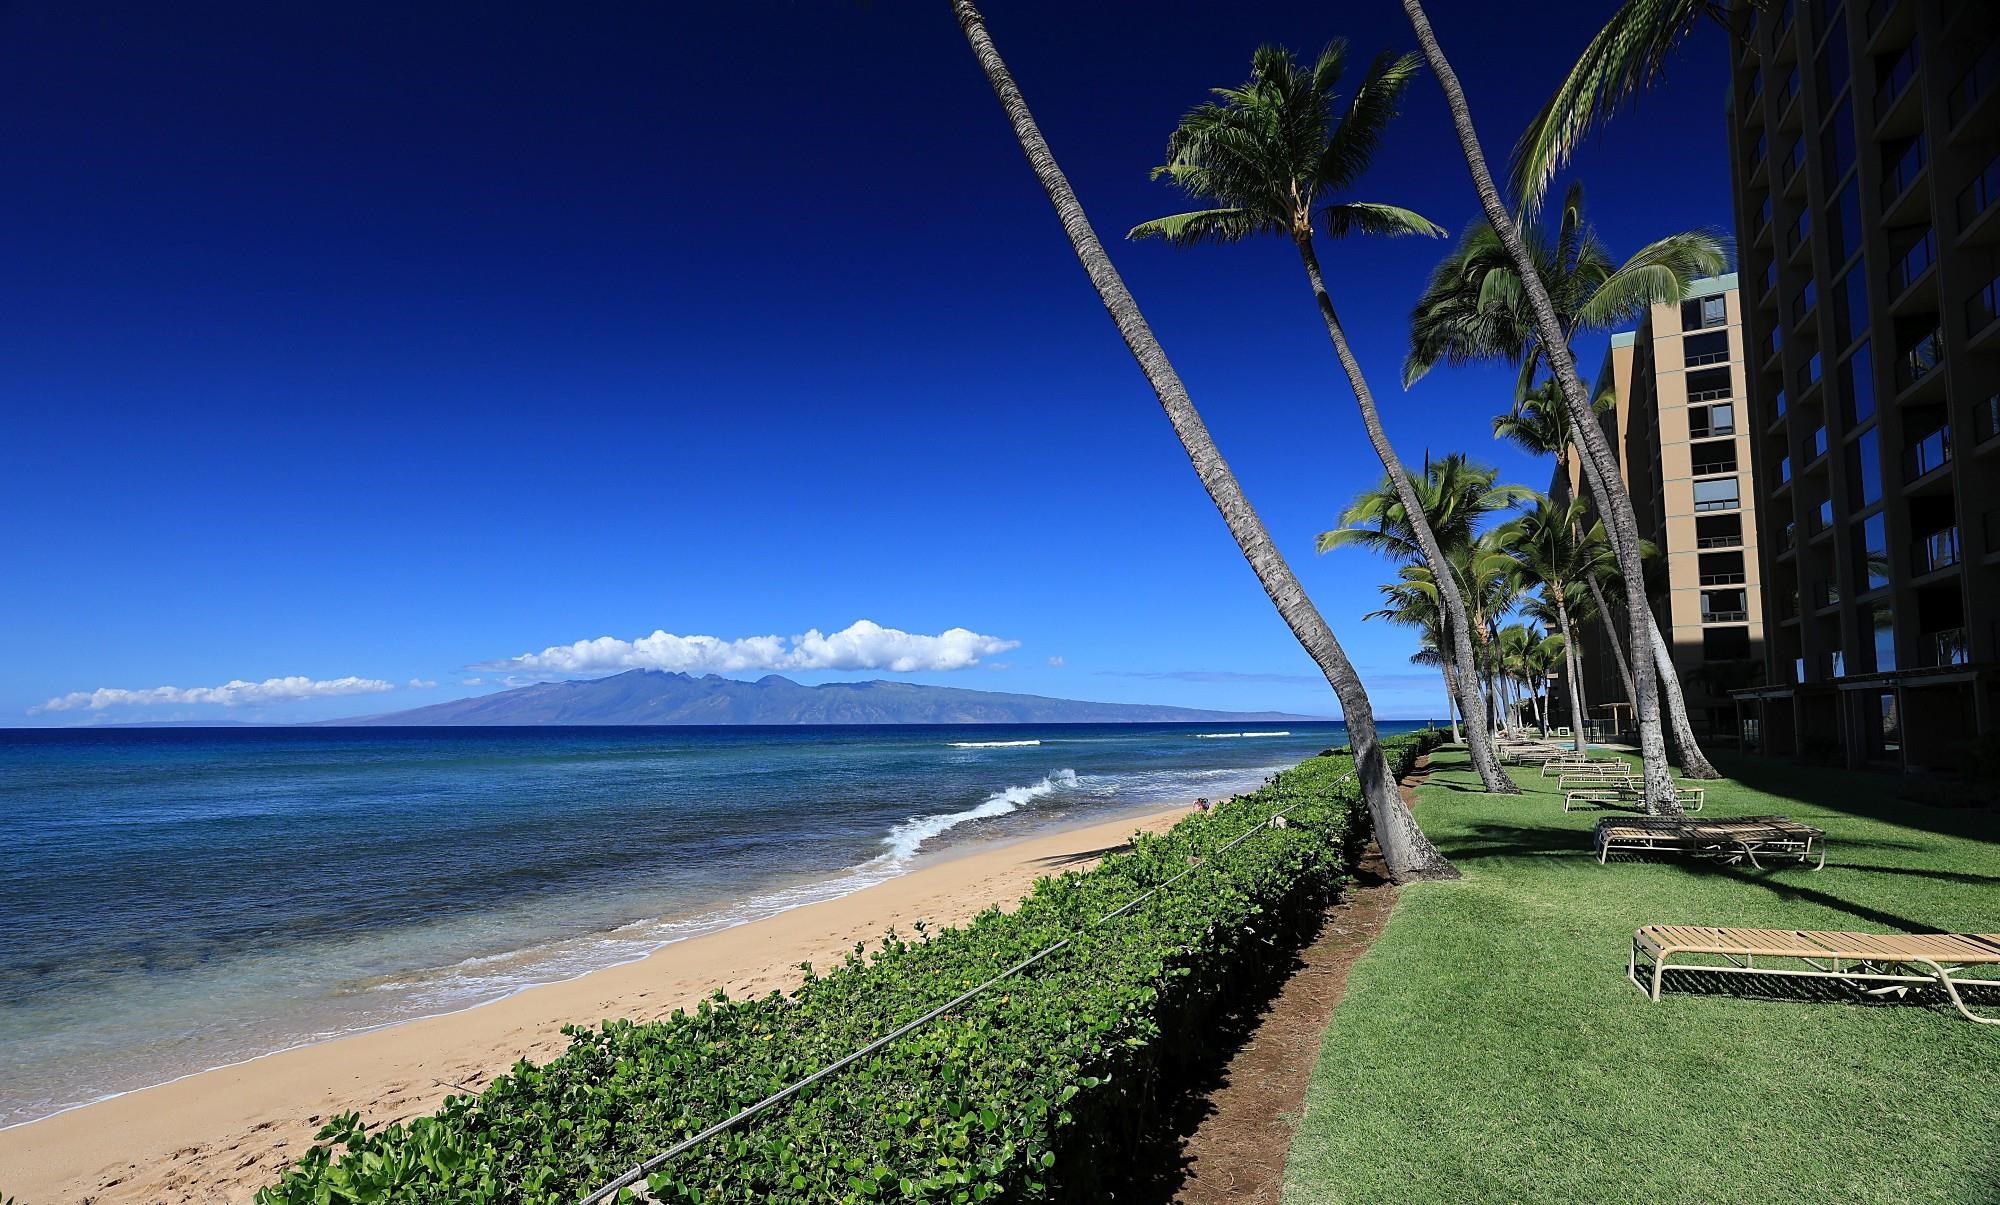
[(220, 1135)]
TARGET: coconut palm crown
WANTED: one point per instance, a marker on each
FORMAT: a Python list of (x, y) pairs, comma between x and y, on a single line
[(1474, 307), (1274, 157)]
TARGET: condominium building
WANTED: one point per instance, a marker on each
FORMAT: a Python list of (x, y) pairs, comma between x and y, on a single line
[(1684, 449), (1865, 152)]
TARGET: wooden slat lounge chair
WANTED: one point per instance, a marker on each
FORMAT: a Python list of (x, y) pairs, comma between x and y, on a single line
[(1874, 963), (1610, 792), (1741, 839)]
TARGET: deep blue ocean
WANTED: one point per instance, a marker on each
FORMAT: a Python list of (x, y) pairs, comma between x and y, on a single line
[(174, 899)]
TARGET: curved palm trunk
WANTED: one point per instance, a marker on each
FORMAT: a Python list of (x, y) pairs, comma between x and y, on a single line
[(1611, 638), (1578, 709), (1450, 700), (1693, 762), (1406, 852), (1478, 736), (1599, 465)]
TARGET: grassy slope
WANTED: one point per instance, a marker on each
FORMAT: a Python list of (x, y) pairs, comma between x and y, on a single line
[(1490, 1047)]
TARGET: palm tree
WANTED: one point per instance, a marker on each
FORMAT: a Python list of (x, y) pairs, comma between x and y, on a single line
[(1625, 57), (1412, 602), (1540, 425), (1270, 157), (1473, 307), (1455, 496), (1548, 554), (1406, 852), (1600, 467)]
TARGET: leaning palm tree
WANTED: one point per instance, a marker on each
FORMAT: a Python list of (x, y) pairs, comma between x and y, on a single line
[(1625, 57), (1412, 602), (1473, 308), (1600, 466), (1539, 424), (1406, 852), (1271, 157)]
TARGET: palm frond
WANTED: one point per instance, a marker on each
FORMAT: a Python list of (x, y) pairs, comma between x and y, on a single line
[(1368, 217), (1624, 57), (1353, 144), (1201, 226)]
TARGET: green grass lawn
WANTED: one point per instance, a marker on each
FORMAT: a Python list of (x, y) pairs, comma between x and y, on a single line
[(1490, 1047)]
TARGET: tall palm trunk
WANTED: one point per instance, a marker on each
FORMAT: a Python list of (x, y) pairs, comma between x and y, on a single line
[(1578, 709), (1600, 466), (1611, 638), (1478, 737), (1450, 700), (1406, 852), (1693, 762), (1542, 706)]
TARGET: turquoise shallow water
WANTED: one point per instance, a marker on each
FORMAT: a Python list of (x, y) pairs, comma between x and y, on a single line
[(175, 899)]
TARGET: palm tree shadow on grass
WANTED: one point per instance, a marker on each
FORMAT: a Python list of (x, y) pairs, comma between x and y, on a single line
[(1870, 794)]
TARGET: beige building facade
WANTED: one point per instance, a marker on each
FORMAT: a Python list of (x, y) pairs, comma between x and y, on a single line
[(1679, 426)]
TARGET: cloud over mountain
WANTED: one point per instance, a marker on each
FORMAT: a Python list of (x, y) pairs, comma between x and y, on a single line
[(862, 645)]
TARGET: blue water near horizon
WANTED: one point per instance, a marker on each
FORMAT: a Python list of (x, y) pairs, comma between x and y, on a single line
[(173, 899)]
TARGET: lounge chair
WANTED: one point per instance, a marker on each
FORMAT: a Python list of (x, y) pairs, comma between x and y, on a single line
[(1872, 963), (1741, 839)]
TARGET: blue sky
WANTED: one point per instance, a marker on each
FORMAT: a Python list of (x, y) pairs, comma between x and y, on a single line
[(363, 342)]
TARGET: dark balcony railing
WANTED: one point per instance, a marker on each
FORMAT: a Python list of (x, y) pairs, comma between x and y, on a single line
[(1809, 374), (1918, 360), (1794, 160), (1778, 403), (1896, 82), (1724, 616), (1804, 301), (1712, 431), (1722, 579), (1826, 594), (1982, 307), (1820, 519), (1949, 647), (1938, 550), (1978, 197), (1707, 357), (1800, 230), (1929, 454), (1913, 263), (1790, 538), (1904, 171), (1718, 541), (1986, 418), (1784, 469), (1710, 395), (1979, 80), (1788, 89), (1817, 443)]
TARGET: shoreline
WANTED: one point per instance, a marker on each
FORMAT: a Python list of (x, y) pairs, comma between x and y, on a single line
[(218, 1135)]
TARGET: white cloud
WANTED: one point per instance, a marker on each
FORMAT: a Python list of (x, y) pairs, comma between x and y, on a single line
[(237, 693), (860, 646), (473, 682), (1056, 663), (422, 684)]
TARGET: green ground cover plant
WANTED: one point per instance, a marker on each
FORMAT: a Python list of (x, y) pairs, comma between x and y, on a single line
[(1028, 1091), (1490, 1047)]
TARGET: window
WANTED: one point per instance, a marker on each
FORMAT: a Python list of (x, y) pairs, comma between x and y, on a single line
[(1831, 67), (1721, 568), (1871, 552), (1878, 625), (1801, 228), (1850, 306), (1705, 422), (1708, 385), (1889, 724), (1809, 373), (1718, 531), (1906, 159), (1836, 144), (1804, 300), (1914, 252), (1719, 494), (1725, 644), (1714, 456), (1700, 313), (1724, 606), (1845, 230), (1821, 518), (1857, 378), (1710, 348), (1864, 469)]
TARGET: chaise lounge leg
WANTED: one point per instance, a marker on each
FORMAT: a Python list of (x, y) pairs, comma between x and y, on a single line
[(1951, 990)]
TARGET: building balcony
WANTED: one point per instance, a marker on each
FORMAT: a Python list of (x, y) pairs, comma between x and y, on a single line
[(1898, 107), (1971, 110), (1906, 186), (1948, 647), (1918, 364), (1986, 423), (1976, 209), (1724, 616), (1929, 454), (1982, 317), (1935, 552), (1888, 24)]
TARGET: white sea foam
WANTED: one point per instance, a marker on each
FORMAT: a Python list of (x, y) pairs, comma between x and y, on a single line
[(1225, 736), (908, 837), (993, 744)]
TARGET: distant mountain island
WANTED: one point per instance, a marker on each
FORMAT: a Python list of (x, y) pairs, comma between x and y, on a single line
[(643, 696)]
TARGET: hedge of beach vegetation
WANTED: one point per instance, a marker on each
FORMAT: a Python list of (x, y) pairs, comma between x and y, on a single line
[(1026, 1092)]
